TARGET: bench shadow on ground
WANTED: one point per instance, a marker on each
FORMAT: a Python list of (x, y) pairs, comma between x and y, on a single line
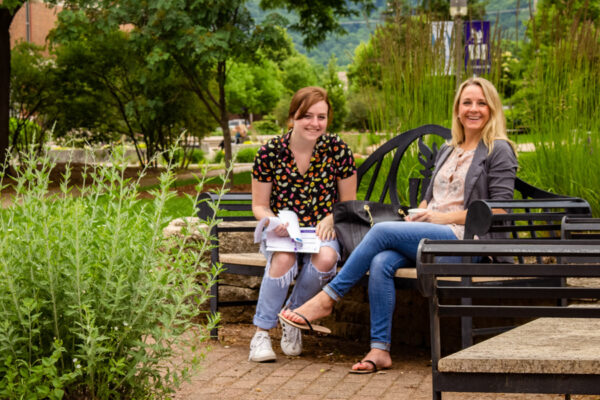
[(318, 348)]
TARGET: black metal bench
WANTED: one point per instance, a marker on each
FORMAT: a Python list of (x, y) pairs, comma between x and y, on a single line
[(558, 353), (382, 177), (538, 214)]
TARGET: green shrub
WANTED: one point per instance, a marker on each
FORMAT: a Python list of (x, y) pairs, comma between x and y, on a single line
[(29, 133), (246, 155), (186, 157), (94, 302), (267, 126), (358, 114), (219, 156)]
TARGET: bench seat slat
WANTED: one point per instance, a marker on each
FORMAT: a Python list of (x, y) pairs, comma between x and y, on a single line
[(258, 260), (565, 345), (518, 293), (515, 311)]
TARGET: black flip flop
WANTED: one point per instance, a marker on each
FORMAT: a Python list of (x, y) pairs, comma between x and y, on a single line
[(307, 326), (366, 371)]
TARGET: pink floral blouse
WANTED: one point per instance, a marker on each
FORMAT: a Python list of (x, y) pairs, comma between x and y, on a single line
[(449, 186)]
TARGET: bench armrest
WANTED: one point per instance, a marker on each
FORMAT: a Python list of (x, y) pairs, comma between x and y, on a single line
[(580, 228), (536, 214), (428, 268)]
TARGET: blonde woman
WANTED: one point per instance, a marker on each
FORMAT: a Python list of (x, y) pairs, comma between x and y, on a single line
[(479, 163)]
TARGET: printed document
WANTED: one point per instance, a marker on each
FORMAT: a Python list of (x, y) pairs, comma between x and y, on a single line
[(300, 239)]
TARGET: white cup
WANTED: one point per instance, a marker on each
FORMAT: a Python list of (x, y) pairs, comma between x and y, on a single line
[(416, 211)]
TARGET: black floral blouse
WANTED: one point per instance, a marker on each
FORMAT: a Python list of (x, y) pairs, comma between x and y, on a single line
[(310, 196)]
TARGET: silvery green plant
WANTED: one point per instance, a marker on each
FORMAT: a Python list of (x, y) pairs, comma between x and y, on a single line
[(94, 302)]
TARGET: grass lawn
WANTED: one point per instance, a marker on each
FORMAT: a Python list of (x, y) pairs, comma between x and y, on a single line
[(181, 205)]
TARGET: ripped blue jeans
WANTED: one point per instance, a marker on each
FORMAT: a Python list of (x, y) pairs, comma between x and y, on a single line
[(274, 290)]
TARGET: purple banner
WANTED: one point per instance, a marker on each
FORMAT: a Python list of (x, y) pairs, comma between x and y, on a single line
[(477, 46)]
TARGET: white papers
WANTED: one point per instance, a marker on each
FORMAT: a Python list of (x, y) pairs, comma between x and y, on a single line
[(300, 240), (309, 243), (290, 217)]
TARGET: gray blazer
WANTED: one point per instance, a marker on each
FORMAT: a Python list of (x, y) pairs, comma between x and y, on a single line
[(490, 177)]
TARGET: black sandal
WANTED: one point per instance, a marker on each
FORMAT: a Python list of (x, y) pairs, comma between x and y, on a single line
[(307, 326), (366, 371)]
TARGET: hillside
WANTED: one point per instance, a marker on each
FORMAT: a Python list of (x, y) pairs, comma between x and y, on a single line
[(359, 29)]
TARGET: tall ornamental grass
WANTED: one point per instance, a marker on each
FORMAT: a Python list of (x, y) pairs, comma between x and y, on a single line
[(407, 82), (562, 102), (94, 302), (405, 78)]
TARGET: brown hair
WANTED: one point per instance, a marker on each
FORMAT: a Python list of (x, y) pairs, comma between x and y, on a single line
[(495, 128), (304, 99)]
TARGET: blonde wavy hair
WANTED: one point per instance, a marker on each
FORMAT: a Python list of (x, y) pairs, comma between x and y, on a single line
[(495, 128)]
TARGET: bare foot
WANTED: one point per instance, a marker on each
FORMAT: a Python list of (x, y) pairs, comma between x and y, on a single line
[(321, 305), (381, 358)]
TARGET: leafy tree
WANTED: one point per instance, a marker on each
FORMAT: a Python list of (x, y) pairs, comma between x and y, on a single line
[(365, 71), (281, 52), (336, 94), (320, 17), (105, 66), (201, 37), (358, 114), (297, 72), (441, 8), (197, 37), (282, 109), (253, 88), (8, 10), (32, 82), (555, 18)]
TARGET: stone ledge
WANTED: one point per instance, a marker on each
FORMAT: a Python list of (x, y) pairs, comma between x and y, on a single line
[(545, 345), (197, 230)]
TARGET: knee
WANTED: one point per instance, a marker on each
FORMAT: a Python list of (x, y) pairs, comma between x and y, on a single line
[(385, 264), (325, 259), (281, 263), (382, 229), (378, 268)]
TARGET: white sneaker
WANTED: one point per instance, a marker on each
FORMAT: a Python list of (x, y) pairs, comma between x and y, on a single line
[(260, 348), (291, 340)]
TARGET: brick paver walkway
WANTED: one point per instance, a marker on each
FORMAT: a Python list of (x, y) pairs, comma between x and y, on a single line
[(321, 373)]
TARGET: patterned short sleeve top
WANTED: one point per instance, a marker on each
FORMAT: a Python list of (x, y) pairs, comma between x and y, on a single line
[(310, 196)]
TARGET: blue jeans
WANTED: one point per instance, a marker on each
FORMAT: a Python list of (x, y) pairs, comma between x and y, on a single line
[(274, 290), (386, 247)]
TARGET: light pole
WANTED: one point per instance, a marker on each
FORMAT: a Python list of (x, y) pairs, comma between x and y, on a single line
[(458, 9)]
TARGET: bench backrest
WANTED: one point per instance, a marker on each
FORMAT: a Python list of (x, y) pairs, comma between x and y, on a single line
[(379, 174), (384, 173)]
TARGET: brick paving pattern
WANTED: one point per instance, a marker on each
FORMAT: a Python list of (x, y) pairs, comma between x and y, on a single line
[(321, 373)]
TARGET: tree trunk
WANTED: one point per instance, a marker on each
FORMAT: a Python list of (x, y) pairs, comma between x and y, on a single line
[(224, 122), (6, 17)]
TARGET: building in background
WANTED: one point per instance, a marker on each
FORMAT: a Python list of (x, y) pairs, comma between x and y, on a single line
[(33, 22)]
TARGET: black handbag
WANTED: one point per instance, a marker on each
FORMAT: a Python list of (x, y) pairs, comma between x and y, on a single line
[(352, 220)]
